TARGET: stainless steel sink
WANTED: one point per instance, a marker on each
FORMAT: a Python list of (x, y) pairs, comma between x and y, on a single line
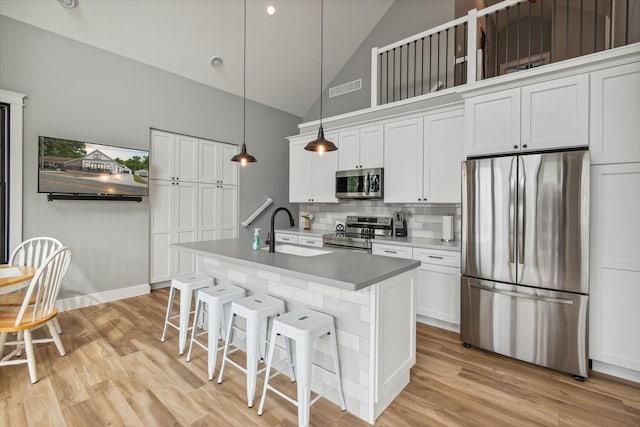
[(298, 250)]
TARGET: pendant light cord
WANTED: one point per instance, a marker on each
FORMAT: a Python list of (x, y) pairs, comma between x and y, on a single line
[(321, 52), (244, 79)]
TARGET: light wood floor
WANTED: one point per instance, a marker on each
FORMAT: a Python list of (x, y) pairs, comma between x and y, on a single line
[(116, 372)]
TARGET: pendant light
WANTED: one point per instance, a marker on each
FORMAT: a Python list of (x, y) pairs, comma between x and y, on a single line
[(321, 144), (243, 157)]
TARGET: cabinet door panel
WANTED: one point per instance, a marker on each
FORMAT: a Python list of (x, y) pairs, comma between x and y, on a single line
[(161, 156), (299, 173), (443, 156), (371, 147), (208, 218), (228, 211), (615, 264), (348, 153), (185, 225), (403, 161), (492, 123), (228, 169), (439, 293), (209, 157), (323, 177), (614, 114), (555, 114), (186, 158), (161, 200)]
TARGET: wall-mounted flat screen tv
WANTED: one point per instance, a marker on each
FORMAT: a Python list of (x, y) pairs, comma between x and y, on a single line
[(76, 167)]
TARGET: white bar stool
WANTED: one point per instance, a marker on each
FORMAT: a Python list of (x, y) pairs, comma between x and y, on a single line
[(218, 300), (186, 284), (303, 326), (256, 310)]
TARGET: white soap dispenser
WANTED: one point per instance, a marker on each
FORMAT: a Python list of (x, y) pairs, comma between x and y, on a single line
[(256, 239)]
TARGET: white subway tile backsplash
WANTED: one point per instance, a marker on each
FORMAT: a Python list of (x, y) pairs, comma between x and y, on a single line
[(362, 297), (279, 289), (264, 274), (324, 289), (310, 298), (349, 340), (236, 276)]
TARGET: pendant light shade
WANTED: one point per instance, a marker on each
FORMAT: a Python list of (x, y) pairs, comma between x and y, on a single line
[(321, 144), (243, 157)]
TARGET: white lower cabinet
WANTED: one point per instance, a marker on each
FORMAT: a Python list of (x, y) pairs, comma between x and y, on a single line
[(438, 288), (614, 294)]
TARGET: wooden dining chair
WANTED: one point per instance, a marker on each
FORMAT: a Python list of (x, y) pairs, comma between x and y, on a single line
[(37, 309), (30, 253)]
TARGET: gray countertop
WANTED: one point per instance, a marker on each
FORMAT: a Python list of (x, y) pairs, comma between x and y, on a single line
[(416, 242), (342, 269)]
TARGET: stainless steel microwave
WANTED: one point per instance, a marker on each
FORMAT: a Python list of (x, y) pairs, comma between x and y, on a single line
[(360, 184)]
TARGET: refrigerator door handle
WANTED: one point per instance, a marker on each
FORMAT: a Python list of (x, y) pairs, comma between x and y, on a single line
[(512, 212), (521, 211), (523, 296)]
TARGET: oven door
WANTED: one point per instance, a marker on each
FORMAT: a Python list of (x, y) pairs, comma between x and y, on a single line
[(359, 184)]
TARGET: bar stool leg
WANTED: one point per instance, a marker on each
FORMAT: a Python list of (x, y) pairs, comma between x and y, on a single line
[(267, 373), (334, 346), (185, 309), (303, 370), (253, 342), (172, 294), (199, 307), (213, 337), (226, 346)]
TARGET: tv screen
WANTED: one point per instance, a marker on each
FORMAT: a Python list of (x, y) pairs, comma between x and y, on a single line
[(76, 167)]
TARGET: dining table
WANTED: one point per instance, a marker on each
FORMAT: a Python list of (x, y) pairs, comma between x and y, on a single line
[(13, 278)]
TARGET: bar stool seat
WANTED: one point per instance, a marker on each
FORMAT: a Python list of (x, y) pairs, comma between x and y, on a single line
[(303, 326), (256, 310), (186, 284), (218, 299)]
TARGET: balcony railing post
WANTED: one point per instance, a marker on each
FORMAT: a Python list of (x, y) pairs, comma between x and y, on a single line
[(472, 39), (374, 76)]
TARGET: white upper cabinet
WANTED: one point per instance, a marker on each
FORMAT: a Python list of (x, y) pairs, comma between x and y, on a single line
[(492, 123), (361, 148), (186, 158), (552, 114), (555, 114), (216, 166), (312, 176), (423, 157), (615, 109), (173, 157), (403, 161), (443, 154)]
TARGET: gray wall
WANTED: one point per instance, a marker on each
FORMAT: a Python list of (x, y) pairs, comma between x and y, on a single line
[(403, 19), (79, 92)]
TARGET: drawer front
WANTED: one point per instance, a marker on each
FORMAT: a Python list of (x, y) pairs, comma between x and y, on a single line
[(310, 241), (437, 257), (392, 251), (286, 238)]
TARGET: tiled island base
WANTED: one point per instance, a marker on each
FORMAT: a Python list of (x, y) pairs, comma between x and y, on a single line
[(375, 330)]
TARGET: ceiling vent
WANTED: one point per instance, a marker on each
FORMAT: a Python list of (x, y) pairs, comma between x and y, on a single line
[(345, 88)]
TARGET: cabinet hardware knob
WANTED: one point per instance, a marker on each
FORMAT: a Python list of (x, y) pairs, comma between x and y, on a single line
[(419, 199), (515, 146), (524, 146), (177, 183)]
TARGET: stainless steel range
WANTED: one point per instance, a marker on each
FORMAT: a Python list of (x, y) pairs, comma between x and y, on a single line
[(359, 231)]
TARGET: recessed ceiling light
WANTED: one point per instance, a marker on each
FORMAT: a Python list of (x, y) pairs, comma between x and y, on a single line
[(271, 9), (216, 61), (69, 4)]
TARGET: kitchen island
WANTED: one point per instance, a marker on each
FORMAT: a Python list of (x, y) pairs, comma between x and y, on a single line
[(371, 298)]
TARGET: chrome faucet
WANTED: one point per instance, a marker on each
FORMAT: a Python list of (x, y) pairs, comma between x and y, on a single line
[(272, 241)]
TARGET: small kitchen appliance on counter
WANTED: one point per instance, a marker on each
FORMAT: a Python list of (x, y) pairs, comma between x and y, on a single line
[(358, 232)]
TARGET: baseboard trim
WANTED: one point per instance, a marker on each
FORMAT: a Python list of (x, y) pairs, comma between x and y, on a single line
[(81, 301), (616, 371), (438, 323)]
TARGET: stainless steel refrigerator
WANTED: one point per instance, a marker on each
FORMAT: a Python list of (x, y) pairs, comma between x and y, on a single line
[(525, 258)]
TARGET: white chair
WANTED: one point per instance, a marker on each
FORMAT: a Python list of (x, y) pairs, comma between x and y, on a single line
[(303, 326), (218, 300), (30, 253), (37, 309), (187, 285), (256, 310)]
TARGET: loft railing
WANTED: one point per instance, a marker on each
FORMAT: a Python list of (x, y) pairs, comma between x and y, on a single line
[(510, 36)]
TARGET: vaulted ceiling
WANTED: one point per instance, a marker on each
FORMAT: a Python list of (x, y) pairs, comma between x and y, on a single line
[(180, 36)]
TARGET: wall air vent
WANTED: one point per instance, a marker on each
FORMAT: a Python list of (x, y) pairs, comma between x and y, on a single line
[(345, 88)]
